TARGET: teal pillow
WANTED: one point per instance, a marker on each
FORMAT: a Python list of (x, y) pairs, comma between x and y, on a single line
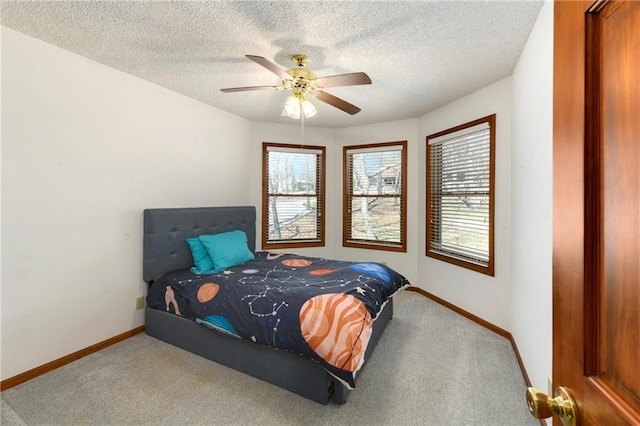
[(201, 260), (227, 249)]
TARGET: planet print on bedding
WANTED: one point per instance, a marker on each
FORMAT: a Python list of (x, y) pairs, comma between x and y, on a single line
[(321, 271), (218, 322), (273, 256), (207, 292), (296, 263), (337, 327), (373, 269)]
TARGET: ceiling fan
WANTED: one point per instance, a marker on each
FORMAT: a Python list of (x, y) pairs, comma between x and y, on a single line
[(303, 82)]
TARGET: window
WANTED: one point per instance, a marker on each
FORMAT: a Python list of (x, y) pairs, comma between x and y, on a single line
[(460, 186), (292, 195), (375, 196)]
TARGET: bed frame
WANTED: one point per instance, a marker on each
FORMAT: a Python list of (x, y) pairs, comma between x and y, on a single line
[(165, 249)]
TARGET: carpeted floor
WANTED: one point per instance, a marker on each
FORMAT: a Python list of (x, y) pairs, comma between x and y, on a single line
[(431, 367)]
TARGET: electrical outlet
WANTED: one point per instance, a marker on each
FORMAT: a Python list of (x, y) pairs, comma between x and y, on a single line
[(140, 303)]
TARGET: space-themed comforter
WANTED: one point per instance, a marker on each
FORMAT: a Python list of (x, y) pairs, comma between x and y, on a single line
[(319, 308)]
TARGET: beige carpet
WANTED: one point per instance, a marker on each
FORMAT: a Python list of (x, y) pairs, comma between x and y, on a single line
[(431, 367)]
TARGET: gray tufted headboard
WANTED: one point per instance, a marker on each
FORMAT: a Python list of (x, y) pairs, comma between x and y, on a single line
[(165, 232)]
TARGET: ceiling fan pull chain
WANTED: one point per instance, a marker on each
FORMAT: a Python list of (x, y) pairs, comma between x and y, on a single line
[(302, 128)]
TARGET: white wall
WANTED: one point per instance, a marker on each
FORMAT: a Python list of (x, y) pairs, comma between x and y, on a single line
[(85, 149), (484, 296), (1, 174), (532, 200)]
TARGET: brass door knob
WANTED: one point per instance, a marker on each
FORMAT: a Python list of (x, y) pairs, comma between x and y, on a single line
[(563, 405)]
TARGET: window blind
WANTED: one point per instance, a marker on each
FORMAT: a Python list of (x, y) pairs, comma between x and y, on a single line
[(294, 196), (460, 195), (375, 195)]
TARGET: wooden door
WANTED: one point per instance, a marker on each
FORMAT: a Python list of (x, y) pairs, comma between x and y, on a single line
[(596, 228)]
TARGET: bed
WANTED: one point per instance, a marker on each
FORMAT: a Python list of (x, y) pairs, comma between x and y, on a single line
[(209, 328)]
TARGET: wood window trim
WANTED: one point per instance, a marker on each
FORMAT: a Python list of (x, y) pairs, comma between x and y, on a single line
[(320, 242), (375, 245), (490, 268)]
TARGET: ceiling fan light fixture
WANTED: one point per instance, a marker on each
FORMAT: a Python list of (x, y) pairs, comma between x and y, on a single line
[(292, 107), (296, 105), (308, 109)]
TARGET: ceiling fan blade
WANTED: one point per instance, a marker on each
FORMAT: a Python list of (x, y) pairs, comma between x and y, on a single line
[(248, 88), (337, 102), (276, 69), (352, 79)]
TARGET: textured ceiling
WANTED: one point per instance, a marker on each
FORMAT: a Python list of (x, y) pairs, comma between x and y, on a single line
[(420, 55)]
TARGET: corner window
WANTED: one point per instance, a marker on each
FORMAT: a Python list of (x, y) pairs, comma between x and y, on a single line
[(375, 196), (460, 195), (292, 195)]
